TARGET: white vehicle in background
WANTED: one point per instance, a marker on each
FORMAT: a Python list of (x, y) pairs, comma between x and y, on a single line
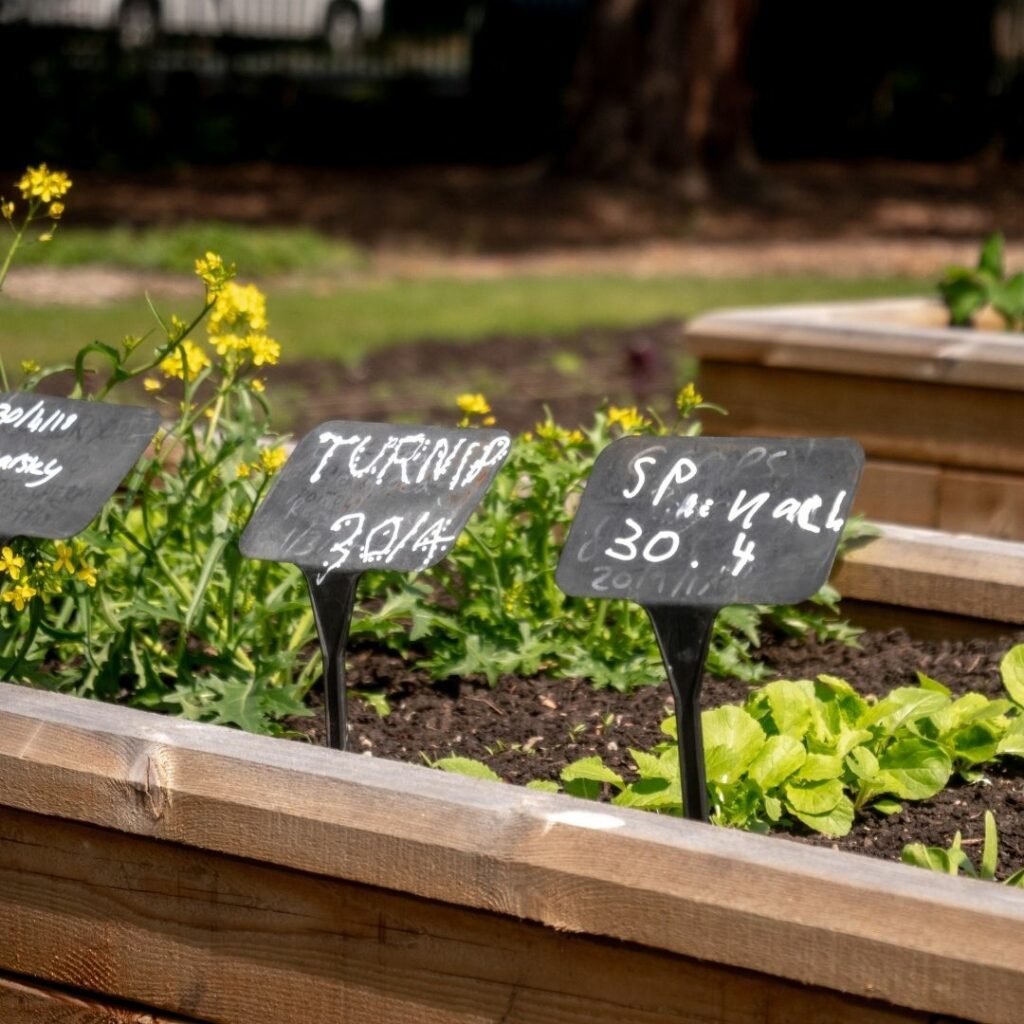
[(342, 24)]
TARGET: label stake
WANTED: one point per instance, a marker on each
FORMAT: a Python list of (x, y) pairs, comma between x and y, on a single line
[(333, 601), (684, 635)]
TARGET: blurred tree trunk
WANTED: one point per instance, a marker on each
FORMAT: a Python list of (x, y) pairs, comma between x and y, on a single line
[(660, 89)]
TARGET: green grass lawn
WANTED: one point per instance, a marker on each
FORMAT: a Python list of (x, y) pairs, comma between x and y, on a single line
[(358, 317)]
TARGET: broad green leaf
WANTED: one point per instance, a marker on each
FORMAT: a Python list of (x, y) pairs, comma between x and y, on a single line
[(467, 766), (832, 689), (836, 822), (914, 769), (779, 758), (927, 683), (651, 767), (652, 794), (863, 764), (544, 785), (901, 706), (1012, 669), (963, 296), (591, 769), (732, 740), (932, 858), (991, 257), (976, 743), (814, 797), (791, 705), (887, 806), (1012, 742), (773, 807), (821, 767)]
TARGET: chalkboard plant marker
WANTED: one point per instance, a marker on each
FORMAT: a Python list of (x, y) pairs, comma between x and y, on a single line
[(687, 525), (358, 496), (61, 459)]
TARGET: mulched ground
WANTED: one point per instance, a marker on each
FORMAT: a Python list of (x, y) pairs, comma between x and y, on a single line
[(530, 728)]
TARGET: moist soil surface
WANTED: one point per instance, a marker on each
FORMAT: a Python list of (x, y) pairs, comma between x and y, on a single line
[(527, 729)]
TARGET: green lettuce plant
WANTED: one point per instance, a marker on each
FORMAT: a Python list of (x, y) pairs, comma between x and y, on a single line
[(966, 291), (955, 861)]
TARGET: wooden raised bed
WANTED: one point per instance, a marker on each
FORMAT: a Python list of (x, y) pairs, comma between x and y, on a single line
[(157, 871), (939, 410)]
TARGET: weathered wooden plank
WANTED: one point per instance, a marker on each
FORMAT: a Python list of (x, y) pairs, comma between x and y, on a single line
[(822, 918), (899, 492), (241, 943), (985, 503), (902, 420), (24, 1001), (901, 339), (937, 571)]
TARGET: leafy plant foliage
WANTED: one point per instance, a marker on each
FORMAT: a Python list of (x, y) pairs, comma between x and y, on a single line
[(968, 290), (955, 860)]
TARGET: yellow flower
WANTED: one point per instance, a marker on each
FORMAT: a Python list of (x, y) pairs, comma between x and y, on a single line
[(63, 559), (272, 459), (488, 421), (258, 385), (7, 209), (11, 563), (238, 309), (87, 574), (473, 405), (629, 419), (576, 437), (212, 272), (688, 399), (244, 470), (42, 183), (20, 595), (188, 358), (56, 211), (30, 366), (152, 384), (264, 350)]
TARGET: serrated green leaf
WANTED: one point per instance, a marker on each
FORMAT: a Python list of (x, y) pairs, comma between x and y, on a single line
[(779, 758), (914, 768), (652, 767), (467, 766)]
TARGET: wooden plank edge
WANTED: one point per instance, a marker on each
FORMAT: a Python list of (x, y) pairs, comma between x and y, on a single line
[(819, 917), (29, 1001), (828, 338), (934, 570)]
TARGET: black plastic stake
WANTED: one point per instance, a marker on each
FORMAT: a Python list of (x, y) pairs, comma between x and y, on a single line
[(333, 599), (684, 634)]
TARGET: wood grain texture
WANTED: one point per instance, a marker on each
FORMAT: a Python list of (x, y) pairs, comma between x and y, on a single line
[(937, 571), (23, 1001), (240, 943), (897, 339), (899, 492), (836, 921), (911, 421)]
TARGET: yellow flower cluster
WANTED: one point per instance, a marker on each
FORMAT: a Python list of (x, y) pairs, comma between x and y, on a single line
[(269, 462), (238, 323), (474, 405), (551, 431), (45, 185), (688, 399), (187, 359), (45, 577), (210, 269), (629, 419)]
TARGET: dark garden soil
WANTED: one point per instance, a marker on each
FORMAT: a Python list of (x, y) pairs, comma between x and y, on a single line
[(531, 728), (528, 729)]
